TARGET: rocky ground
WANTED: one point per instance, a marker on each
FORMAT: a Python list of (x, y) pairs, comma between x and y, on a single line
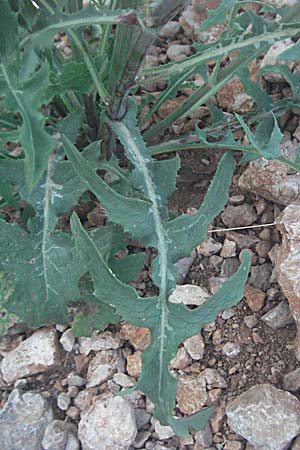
[(57, 391)]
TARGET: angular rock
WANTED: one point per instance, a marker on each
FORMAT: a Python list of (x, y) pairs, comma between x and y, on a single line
[(183, 266), (291, 380), (278, 317), (98, 341), (228, 249), (178, 51), (266, 416), (108, 424), (231, 349), (204, 437), (36, 354), (209, 247), (215, 283), (260, 276), (102, 367), (134, 364), (170, 30), (242, 240), (67, 340), (213, 378), (139, 337), (181, 360), (57, 435), (191, 19), (189, 294), (234, 99), (191, 394), (288, 262), (229, 267), (23, 421), (63, 401), (255, 298), (163, 432), (195, 346), (239, 216), (270, 180)]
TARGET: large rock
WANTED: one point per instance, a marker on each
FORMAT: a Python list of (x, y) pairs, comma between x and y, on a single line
[(271, 179), (23, 421), (266, 416), (189, 294), (287, 263), (191, 393), (108, 424), (38, 353)]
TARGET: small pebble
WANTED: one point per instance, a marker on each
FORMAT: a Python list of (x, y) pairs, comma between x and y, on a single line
[(231, 349), (63, 401)]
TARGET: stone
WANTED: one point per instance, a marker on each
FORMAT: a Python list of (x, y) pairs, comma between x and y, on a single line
[(138, 337), (243, 241), (195, 346), (287, 263), (102, 367), (209, 247), (178, 51), (228, 249), (229, 267), (204, 437), (270, 180), (189, 294), (191, 394), (231, 349), (256, 414), (291, 380), (255, 298), (271, 59), (239, 216), (23, 421), (234, 99), (134, 364), (278, 317), (124, 380), (142, 417), (63, 401), (233, 445), (170, 30), (108, 424), (72, 442), (183, 266), (83, 399), (213, 378), (36, 354), (67, 340), (260, 276), (163, 432), (251, 321), (215, 283), (181, 360), (57, 435), (98, 341), (141, 438), (75, 380), (280, 3), (228, 314), (191, 19)]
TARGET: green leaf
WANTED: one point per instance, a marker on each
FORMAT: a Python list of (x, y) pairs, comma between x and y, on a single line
[(267, 138), (290, 53), (75, 77), (57, 21), (6, 290), (45, 269), (95, 317), (128, 267), (25, 97), (128, 212), (185, 231), (218, 15)]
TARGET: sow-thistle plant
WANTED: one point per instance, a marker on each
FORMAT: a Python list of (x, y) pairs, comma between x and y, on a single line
[(65, 123)]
